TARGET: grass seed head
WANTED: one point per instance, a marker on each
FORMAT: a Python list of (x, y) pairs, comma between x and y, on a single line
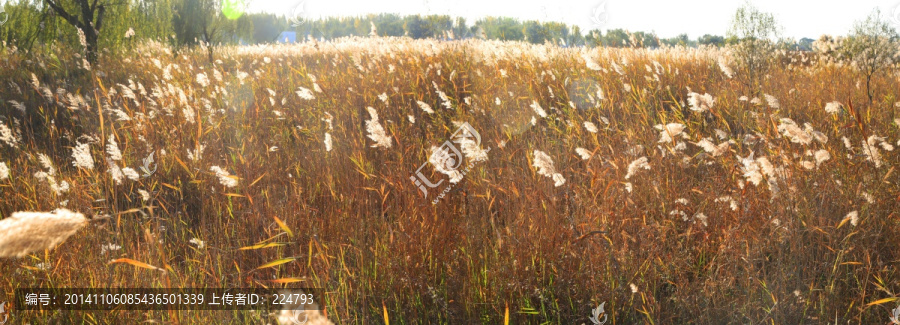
[(27, 232)]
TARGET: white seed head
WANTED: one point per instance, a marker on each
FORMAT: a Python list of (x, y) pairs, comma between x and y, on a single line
[(27, 232)]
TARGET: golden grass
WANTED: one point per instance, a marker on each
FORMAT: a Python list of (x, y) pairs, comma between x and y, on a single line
[(699, 242), (23, 233)]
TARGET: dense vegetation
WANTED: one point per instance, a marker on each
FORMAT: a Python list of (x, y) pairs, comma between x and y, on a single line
[(33, 23), (748, 183)]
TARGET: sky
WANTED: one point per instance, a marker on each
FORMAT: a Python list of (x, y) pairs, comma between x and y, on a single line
[(666, 18)]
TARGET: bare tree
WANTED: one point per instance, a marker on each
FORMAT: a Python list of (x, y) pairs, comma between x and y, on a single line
[(755, 30), (87, 16), (872, 47)]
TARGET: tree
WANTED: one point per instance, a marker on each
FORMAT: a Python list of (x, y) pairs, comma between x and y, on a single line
[(732, 40), (680, 40), (713, 40), (153, 19), (754, 31), (593, 38), (805, 44), (502, 28), (203, 20), (87, 17), (534, 32), (616, 38), (26, 24), (266, 27), (872, 47), (416, 27), (388, 24), (643, 39), (439, 24), (575, 38), (460, 30)]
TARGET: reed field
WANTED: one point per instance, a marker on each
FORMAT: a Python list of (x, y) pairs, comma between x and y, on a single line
[(658, 182)]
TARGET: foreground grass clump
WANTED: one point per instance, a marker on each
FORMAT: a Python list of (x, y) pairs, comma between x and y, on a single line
[(649, 180)]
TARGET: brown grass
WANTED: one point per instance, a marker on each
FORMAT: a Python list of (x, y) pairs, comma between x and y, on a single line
[(350, 220), (24, 233)]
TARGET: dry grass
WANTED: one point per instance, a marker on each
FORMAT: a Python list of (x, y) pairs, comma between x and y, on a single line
[(687, 238), (27, 232)]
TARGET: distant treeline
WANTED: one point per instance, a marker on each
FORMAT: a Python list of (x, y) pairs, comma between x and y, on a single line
[(268, 26), (188, 22)]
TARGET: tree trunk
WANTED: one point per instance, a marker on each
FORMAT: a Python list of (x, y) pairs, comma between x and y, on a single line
[(84, 22), (91, 51)]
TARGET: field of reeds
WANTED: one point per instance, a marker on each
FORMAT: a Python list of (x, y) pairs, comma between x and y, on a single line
[(654, 182)]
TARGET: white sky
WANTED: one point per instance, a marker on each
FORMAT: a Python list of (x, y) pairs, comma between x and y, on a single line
[(667, 18)]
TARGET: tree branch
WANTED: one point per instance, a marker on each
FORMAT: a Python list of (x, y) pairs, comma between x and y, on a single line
[(87, 13), (62, 13), (100, 12)]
